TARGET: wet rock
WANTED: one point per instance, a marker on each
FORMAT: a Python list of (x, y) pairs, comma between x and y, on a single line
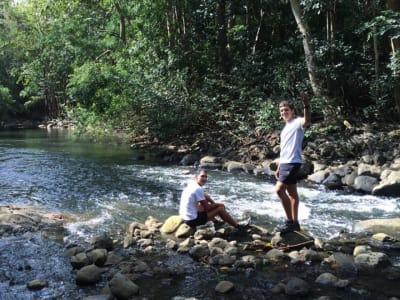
[(390, 227), (372, 260), (211, 162), (98, 256), (133, 226), (361, 249), (141, 267), (333, 181), (88, 275), (275, 255), (383, 237), (247, 261), (318, 177), (345, 264), (218, 242), (145, 242), (199, 251), (224, 287), (235, 166), (297, 287), (171, 244), (327, 279), (215, 251), (128, 241), (189, 159), (222, 260), (37, 284), (112, 259), (103, 242), (122, 287), (390, 186), (79, 261), (73, 251), (205, 232)]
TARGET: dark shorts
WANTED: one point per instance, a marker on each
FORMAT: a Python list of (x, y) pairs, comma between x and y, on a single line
[(200, 220), (288, 173)]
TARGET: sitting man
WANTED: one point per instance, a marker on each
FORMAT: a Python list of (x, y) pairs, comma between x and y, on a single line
[(196, 207)]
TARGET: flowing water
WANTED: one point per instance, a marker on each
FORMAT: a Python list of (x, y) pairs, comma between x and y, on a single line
[(105, 187)]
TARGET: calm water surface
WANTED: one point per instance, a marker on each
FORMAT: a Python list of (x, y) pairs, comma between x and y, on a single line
[(104, 187)]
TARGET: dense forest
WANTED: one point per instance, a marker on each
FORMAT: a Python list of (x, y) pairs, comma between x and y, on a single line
[(172, 67)]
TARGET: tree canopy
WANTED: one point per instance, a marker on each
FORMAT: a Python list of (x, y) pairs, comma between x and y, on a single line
[(171, 67)]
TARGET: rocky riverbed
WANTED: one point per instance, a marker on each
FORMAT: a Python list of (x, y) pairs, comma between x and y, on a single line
[(164, 259), (364, 160), (216, 262)]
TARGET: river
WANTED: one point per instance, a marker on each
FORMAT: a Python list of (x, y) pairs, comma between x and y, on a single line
[(103, 187)]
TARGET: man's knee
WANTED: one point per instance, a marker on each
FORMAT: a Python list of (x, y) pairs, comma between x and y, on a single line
[(279, 189)]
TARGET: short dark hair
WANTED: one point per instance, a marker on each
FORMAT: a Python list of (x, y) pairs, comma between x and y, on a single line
[(199, 170), (286, 103)]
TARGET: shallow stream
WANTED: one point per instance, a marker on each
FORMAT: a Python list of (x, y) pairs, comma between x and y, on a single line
[(102, 188)]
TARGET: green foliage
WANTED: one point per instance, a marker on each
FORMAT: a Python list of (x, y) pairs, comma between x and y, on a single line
[(268, 118), (167, 73), (6, 102)]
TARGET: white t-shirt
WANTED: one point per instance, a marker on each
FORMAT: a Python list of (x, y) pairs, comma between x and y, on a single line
[(291, 142), (190, 197)]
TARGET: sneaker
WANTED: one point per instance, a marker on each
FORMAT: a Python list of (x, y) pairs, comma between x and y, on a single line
[(296, 226), (288, 226)]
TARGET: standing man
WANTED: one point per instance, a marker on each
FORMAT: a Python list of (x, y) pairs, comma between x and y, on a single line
[(290, 161), (196, 207)]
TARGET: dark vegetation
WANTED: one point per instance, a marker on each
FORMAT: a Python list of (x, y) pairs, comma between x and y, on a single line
[(171, 68)]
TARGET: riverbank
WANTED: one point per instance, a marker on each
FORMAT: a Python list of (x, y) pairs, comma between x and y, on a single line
[(358, 159), (363, 160), (163, 259)]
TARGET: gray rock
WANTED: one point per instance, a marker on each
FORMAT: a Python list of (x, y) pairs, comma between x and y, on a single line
[(222, 260), (98, 256), (365, 183), (189, 159), (345, 263), (88, 275), (372, 260), (390, 186), (327, 279), (79, 260), (199, 251), (297, 287), (319, 176), (333, 181), (122, 287), (37, 284), (224, 287)]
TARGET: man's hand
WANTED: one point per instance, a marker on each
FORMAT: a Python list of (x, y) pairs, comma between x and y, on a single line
[(304, 98)]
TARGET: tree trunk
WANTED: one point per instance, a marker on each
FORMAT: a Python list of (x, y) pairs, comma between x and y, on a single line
[(376, 55), (330, 13), (221, 36), (308, 49), (122, 25), (395, 43)]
